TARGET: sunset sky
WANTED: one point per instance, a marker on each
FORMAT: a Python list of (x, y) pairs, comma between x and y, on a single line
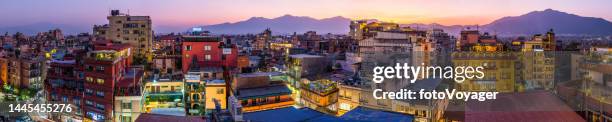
[(175, 14)]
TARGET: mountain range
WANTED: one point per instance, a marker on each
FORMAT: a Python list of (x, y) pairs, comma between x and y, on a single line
[(531, 23), (286, 24)]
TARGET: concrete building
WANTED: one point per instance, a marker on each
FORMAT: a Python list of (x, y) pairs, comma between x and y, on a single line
[(165, 94), (129, 99), (499, 71), (261, 91), (320, 95), (303, 65), (134, 30), (24, 71)]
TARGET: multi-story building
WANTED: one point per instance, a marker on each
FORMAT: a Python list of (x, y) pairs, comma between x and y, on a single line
[(128, 100), (65, 84), (104, 67), (499, 70), (361, 29), (94, 82), (589, 88), (166, 64), (4, 71), (262, 41), (537, 63), (320, 95), (195, 93), (207, 51), (164, 93), (134, 30), (216, 93), (261, 91), (24, 71), (303, 65)]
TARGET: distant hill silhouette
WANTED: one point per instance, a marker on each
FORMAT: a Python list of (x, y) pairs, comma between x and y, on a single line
[(286, 24), (542, 21)]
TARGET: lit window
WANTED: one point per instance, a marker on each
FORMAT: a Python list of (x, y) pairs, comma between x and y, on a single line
[(207, 57), (100, 81), (220, 91), (100, 106), (89, 91), (100, 93), (87, 102), (89, 79), (207, 47)]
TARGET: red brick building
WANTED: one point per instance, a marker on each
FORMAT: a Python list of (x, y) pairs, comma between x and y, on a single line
[(65, 83), (104, 66), (207, 51)]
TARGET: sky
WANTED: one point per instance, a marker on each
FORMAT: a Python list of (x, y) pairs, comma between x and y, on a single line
[(177, 15)]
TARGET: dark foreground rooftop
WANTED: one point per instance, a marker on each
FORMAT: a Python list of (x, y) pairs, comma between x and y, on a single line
[(359, 114)]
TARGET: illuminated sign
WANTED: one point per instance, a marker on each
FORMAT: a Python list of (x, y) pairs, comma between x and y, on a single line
[(227, 51)]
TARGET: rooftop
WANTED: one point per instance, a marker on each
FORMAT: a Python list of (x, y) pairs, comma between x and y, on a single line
[(259, 74), (304, 56), (201, 39), (215, 82), (272, 90), (359, 114), (525, 106), (147, 117)]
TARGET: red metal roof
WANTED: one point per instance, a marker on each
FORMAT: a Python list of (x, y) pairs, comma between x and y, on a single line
[(519, 107)]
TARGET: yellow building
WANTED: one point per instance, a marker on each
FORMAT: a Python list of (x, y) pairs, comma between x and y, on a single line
[(216, 93), (3, 71), (134, 30), (351, 96), (538, 63), (499, 70), (163, 93), (320, 95)]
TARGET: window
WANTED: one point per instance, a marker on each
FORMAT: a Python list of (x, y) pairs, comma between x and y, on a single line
[(88, 91), (207, 47), (127, 105), (220, 91), (207, 57), (100, 68), (89, 79), (100, 93), (100, 106), (126, 119), (100, 81), (89, 68), (58, 70), (76, 101), (188, 47), (89, 103)]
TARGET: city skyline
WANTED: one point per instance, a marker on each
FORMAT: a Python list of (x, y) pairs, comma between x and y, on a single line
[(172, 16)]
